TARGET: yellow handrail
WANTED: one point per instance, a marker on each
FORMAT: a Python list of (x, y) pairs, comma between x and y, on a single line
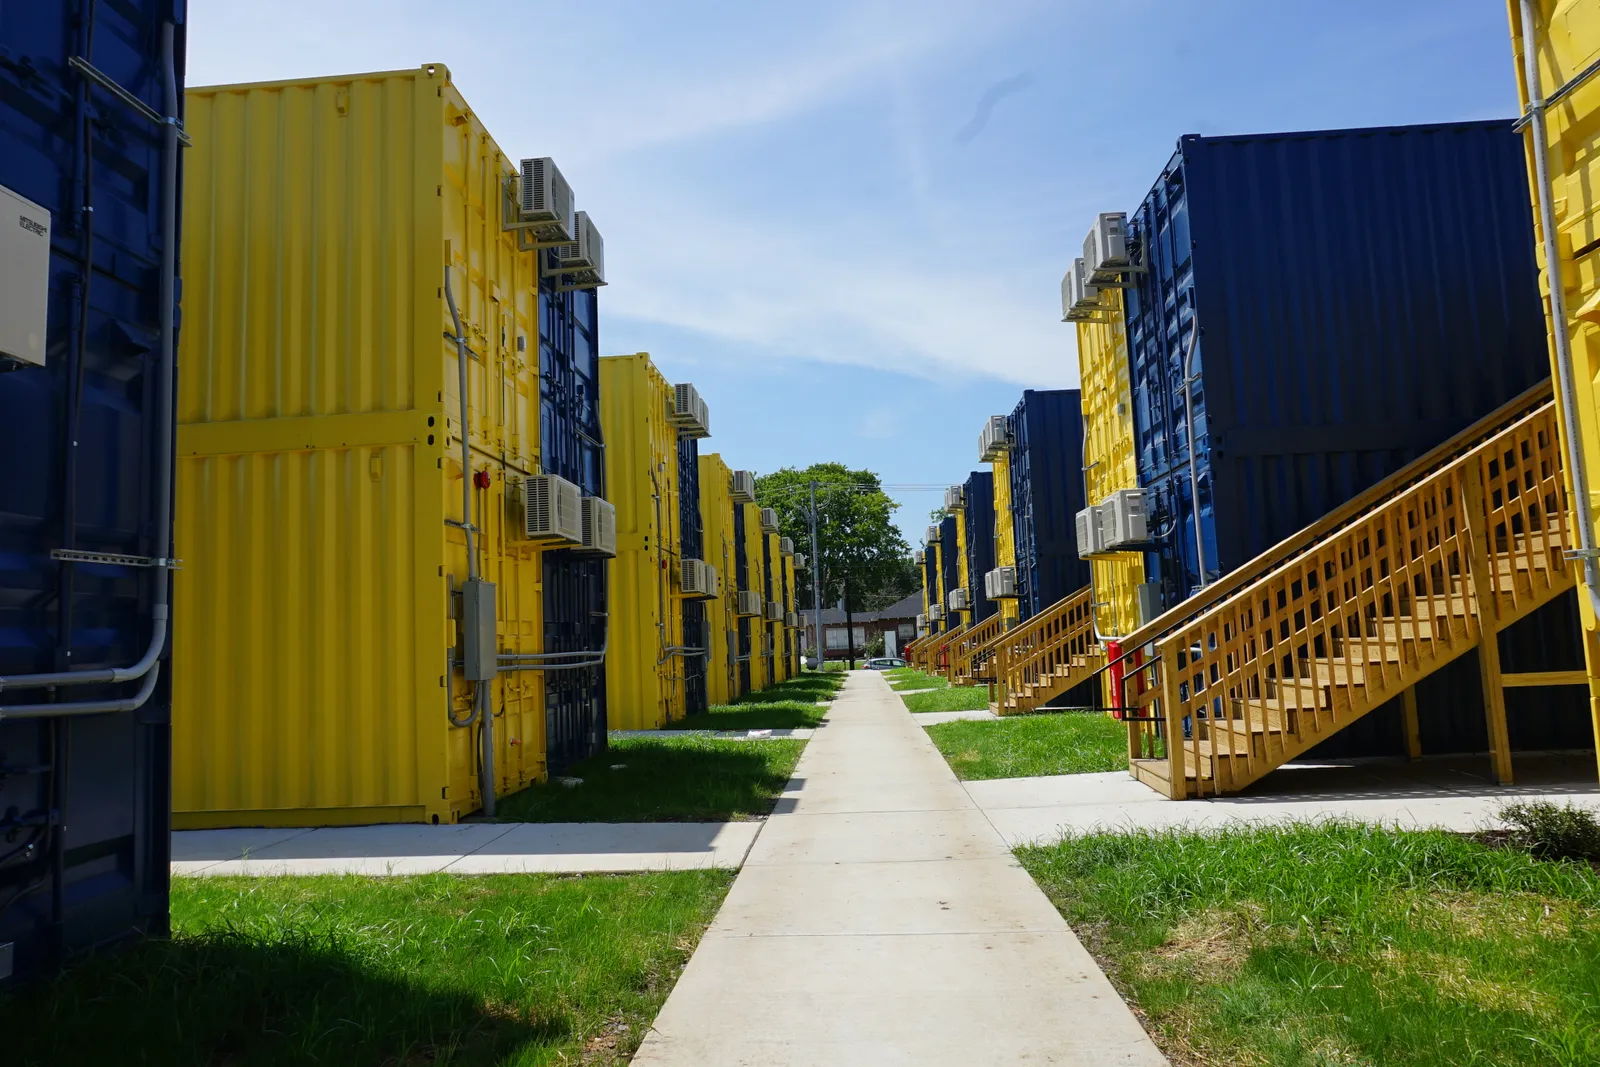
[(1057, 643)]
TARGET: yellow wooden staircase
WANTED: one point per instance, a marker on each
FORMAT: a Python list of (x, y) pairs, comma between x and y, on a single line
[(1044, 656), (1351, 612), (967, 657)]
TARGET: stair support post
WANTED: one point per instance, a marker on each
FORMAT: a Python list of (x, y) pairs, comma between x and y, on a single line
[(1591, 661), (1475, 510), (1177, 777), (1408, 707)]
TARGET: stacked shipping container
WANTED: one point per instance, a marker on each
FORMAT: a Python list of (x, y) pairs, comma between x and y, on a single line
[(1046, 462)]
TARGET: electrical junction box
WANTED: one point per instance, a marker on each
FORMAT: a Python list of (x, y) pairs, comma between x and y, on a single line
[(479, 646), (24, 277)]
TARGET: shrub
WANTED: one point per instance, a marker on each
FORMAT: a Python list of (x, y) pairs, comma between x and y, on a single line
[(1551, 831)]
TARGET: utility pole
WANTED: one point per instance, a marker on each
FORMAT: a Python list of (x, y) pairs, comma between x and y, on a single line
[(816, 582)]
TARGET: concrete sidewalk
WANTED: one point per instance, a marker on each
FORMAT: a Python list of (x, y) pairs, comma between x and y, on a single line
[(880, 919), (466, 848)]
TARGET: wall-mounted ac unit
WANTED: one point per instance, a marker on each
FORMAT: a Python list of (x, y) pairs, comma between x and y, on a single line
[(599, 519), (748, 602), (699, 579), (1105, 249), (689, 413), (546, 201), (791, 619), (1091, 538), (744, 487), (25, 296), (1086, 297), (774, 611), (552, 509), (931, 536), (1124, 519), (953, 498), (800, 561), (994, 440), (786, 545), (922, 625), (769, 520), (1069, 293), (935, 613), (1001, 583), (581, 262), (957, 600)]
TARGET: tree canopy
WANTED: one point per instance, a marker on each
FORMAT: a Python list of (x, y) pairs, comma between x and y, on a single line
[(862, 552)]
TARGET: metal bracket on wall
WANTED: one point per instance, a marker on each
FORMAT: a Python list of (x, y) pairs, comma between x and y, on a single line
[(72, 555), (106, 82)]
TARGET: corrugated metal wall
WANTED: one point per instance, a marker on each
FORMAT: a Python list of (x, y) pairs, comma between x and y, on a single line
[(949, 569), (1046, 496), (1361, 295), (691, 545), (1005, 539), (82, 437), (743, 572), (979, 493), (719, 544)]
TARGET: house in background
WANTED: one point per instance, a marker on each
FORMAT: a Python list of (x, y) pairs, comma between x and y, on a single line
[(898, 619)]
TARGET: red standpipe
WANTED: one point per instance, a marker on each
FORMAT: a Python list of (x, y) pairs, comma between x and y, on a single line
[(1114, 654)]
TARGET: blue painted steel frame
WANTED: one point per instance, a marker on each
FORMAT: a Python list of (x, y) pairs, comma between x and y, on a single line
[(1047, 492)]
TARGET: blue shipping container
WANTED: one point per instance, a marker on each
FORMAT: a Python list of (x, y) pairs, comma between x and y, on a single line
[(84, 790), (1046, 495), (691, 545), (979, 501), (1361, 295), (574, 586), (949, 568)]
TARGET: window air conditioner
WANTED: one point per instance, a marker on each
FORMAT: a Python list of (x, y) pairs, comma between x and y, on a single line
[(553, 509)]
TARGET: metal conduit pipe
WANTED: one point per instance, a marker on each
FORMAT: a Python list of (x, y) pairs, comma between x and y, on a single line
[(1194, 460), (481, 713), (85, 707), (160, 609), (1558, 313)]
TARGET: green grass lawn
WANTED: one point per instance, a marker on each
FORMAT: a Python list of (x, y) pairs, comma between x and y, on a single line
[(950, 698), (672, 779), (440, 970), (911, 678), (1026, 746), (788, 705), (1340, 945)]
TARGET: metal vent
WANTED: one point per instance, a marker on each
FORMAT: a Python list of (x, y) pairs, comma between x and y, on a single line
[(744, 487), (748, 602), (994, 440), (769, 520), (599, 527), (547, 201), (689, 413), (582, 261), (553, 509)]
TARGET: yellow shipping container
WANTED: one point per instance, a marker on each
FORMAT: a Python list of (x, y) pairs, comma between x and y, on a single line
[(962, 619), (644, 664), (755, 545), (1005, 543), (319, 464), (722, 622), (1109, 458)]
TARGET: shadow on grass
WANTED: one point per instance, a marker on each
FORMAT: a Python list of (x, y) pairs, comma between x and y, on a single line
[(789, 705), (687, 779), (224, 998), (803, 687)]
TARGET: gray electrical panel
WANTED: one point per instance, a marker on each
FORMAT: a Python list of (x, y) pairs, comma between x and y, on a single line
[(1149, 597), (479, 647), (24, 277)]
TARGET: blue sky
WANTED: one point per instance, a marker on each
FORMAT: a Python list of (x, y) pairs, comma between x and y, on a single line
[(846, 223)]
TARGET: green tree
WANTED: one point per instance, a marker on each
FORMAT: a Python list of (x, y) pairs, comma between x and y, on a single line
[(863, 555)]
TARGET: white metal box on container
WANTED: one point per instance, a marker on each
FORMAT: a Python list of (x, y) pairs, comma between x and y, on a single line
[(24, 277)]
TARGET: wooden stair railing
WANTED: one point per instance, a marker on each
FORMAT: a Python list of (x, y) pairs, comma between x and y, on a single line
[(1045, 655), (1432, 569), (967, 657)]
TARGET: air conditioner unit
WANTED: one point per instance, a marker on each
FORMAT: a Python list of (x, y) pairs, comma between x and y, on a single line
[(953, 498), (1001, 583), (957, 600), (1069, 293), (582, 261), (689, 413), (774, 611), (698, 579), (1086, 297), (995, 439), (1091, 540), (599, 522), (1124, 519), (931, 536), (748, 602), (769, 520), (800, 561), (744, 487), (552, 509), (547, 202), (786, 545), (922, 624), (25, 266), (791, 619), (1105, 249), (935, 613)]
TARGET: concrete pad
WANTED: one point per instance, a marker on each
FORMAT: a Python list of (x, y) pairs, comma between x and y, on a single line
[(798, 733), (1063, 790), (838, 793), (954, 1000), (371, 850), (577, 848), (912, 692), (933, 718), (874, 836), (194, 850)]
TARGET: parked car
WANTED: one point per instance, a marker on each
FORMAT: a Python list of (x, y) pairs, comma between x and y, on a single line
[(884, 663)]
